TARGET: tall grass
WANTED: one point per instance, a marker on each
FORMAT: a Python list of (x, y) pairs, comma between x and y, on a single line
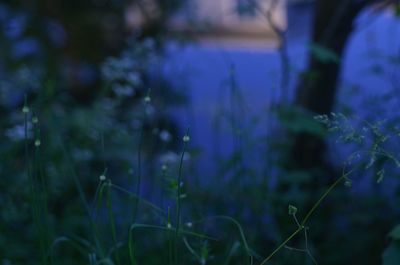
[(126, 249), (37, 182)]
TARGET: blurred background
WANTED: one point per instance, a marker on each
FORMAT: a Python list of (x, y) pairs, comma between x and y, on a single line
[(279, 100)]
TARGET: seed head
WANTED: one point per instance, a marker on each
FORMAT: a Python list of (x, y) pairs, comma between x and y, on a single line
[(348, 183), (186, 138), (292, 209), (147, 99), (25, 109)]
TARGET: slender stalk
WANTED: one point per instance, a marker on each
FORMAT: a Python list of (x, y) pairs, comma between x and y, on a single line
[(147, 100), (131, 248), (327, 192), (112, 224), (309, 214), (167, 229), (178, 196), (83, 199), (281, 245), (34, 199), (139, 175), (39, 185), (241, 233), (169, 239), (137, 195), (140, 200)]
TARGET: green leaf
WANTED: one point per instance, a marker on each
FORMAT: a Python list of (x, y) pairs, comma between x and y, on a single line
[(297, 120), (395, 233), (397, 10), (292, 209), (348, 183), (391, 256), (324, 54)]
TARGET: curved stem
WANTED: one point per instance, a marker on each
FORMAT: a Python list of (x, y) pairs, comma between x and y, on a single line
[(178, 198), (281, 245), (309, 214)]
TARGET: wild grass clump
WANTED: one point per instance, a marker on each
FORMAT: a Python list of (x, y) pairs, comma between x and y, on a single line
[(171, 234), (114, 183)]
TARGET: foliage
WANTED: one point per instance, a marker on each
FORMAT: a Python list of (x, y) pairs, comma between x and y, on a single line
[(70, 139), (108, 180), (392, 252)]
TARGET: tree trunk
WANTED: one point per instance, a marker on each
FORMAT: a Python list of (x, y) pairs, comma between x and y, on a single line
[(333, 24)]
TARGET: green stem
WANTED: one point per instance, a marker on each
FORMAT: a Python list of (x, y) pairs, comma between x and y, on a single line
[(34, 199), (83, 199), (178, 200), (281, 245), (40, 189), (318, 203), (139, 175), (112, 224), (131, 248), (309, 214)]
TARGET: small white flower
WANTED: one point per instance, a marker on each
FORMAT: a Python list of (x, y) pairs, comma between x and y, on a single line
[(292, 209), (169, 226), (102, 178), (35, 119), (147, 99), (25, 110), (348, 183), (164, 167), (189, 224), (186, 138), (37, 143)]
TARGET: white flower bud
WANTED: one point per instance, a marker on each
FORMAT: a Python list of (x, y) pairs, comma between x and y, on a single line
[(292, 209), (348, 183), (147, 99), (186, 138), (25, 109)]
